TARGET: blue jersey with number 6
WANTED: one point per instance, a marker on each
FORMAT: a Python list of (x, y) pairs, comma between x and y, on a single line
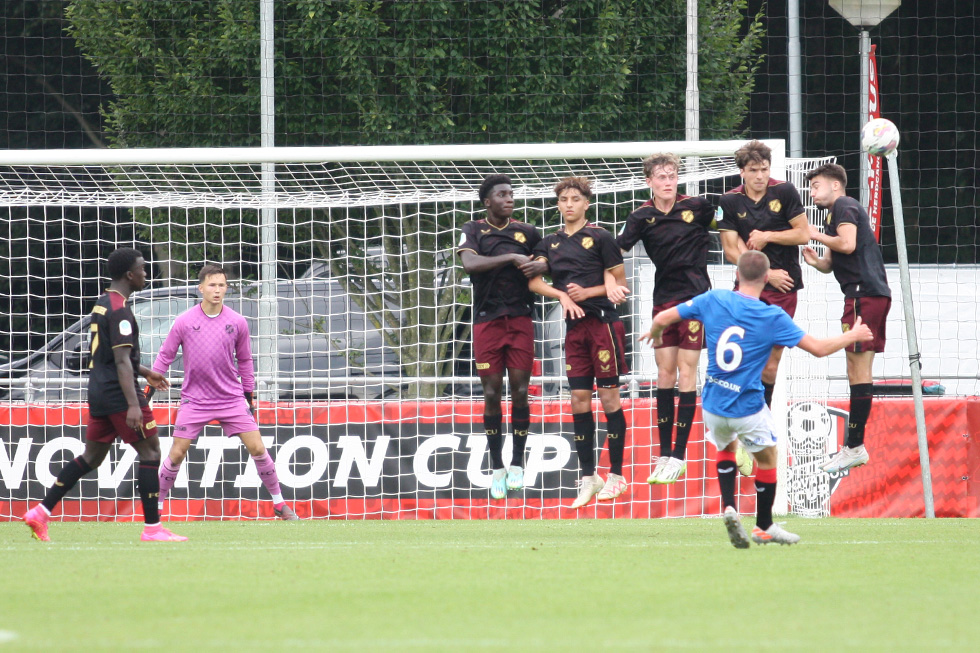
[(741, 332)]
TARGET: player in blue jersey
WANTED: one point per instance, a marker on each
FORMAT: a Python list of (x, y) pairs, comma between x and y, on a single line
[(741, 331)]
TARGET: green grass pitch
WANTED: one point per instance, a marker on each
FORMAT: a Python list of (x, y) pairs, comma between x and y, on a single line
[(627, 585)]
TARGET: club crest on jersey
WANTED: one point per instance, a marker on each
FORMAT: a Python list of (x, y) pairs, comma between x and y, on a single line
[(693, 326), (687, 216), (587, 242), (229, 328), (519, 237), (845, 327), (775, 206), (604, 355)]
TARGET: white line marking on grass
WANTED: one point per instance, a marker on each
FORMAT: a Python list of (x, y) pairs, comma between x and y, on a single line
[(7, 636)]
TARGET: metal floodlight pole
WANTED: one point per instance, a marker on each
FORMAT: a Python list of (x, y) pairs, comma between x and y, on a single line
[(914, 356), (268, 324)]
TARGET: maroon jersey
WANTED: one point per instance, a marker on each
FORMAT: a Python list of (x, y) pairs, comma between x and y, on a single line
[(677, 242), (113, 326), (862, 272), (501, 291), (778, 206), (583, 259)]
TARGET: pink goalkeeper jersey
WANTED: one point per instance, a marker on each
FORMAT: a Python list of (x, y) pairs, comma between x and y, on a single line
[(216, 353)]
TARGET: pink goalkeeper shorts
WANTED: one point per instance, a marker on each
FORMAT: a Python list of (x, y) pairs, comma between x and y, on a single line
[(234, 419)]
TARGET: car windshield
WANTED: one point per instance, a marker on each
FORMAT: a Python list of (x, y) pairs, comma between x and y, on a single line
[(155, 317)]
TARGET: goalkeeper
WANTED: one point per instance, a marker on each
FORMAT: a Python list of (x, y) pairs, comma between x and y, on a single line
[(216, 348), (496, 253)]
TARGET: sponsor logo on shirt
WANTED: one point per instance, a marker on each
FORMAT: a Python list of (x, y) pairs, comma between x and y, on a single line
[(554, 245), (99, 310), (484, 231), (651, 220), (741, 216), (728, 385)]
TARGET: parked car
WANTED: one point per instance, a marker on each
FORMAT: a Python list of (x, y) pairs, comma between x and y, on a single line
[(327, 346)]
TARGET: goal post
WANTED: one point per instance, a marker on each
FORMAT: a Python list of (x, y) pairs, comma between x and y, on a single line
[(372, 405)]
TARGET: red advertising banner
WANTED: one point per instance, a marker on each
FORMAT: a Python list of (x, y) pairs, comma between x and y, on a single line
[(428, 460), (874, 162)]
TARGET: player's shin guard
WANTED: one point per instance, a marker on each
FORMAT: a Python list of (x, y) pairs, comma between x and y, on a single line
[(665, 419), (616, 439), (520, 420), (765, 495), (725, 466), (266, 467), (584, 425), (495, 439), (858, 413), (67, 478), (148, 483), (686, 405), (167, 478)]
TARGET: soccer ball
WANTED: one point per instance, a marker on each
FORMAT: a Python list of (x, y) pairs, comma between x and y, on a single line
[(879, 137)]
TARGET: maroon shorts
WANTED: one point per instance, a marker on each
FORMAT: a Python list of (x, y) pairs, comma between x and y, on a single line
[(503, 343), (873, 311), (784, 300), (595, 350), (108, 427), (686, 334)]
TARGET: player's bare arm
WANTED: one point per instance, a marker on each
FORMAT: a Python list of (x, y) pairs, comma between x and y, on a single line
[(844, 242), (798, 235), (663, 320), (475, 263), (732, 244), (823, 263), (569, 308), (534, 268), (155, 379), (127, 382), (615, 282), (821, 347)]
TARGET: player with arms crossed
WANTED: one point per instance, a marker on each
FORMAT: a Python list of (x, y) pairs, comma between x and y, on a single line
[(496, 253), (674, 231), (854, 256), (741, 331), (579, 255), (117, 405), (766, 215), (218, 383)]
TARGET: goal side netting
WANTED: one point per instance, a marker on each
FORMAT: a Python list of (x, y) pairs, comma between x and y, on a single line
[(344, 265)]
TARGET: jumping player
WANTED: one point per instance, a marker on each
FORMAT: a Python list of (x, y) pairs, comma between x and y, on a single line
[(767, 215), (854, 256), (496, 253), (578, 255), (117, 405), (674, 231), (741, 331), (218, 383)]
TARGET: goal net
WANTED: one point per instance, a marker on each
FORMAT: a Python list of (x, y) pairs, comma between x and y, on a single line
[(344, 264)]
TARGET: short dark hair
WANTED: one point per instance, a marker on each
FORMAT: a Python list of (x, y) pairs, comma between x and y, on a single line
[(490, 182), (752, 152), (211, 269), (660, 160), (830, 171), (122, 261), (752, 266), (581, 184)]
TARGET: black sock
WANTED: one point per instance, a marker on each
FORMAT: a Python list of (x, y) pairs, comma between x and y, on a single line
[(616, 439), (768, 387), (858, 414), (765, 495), (665, 419), (67, 478), (584, 425), (726, 481), (520, 421), (495, 440), (686, 406), (148, 484)]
